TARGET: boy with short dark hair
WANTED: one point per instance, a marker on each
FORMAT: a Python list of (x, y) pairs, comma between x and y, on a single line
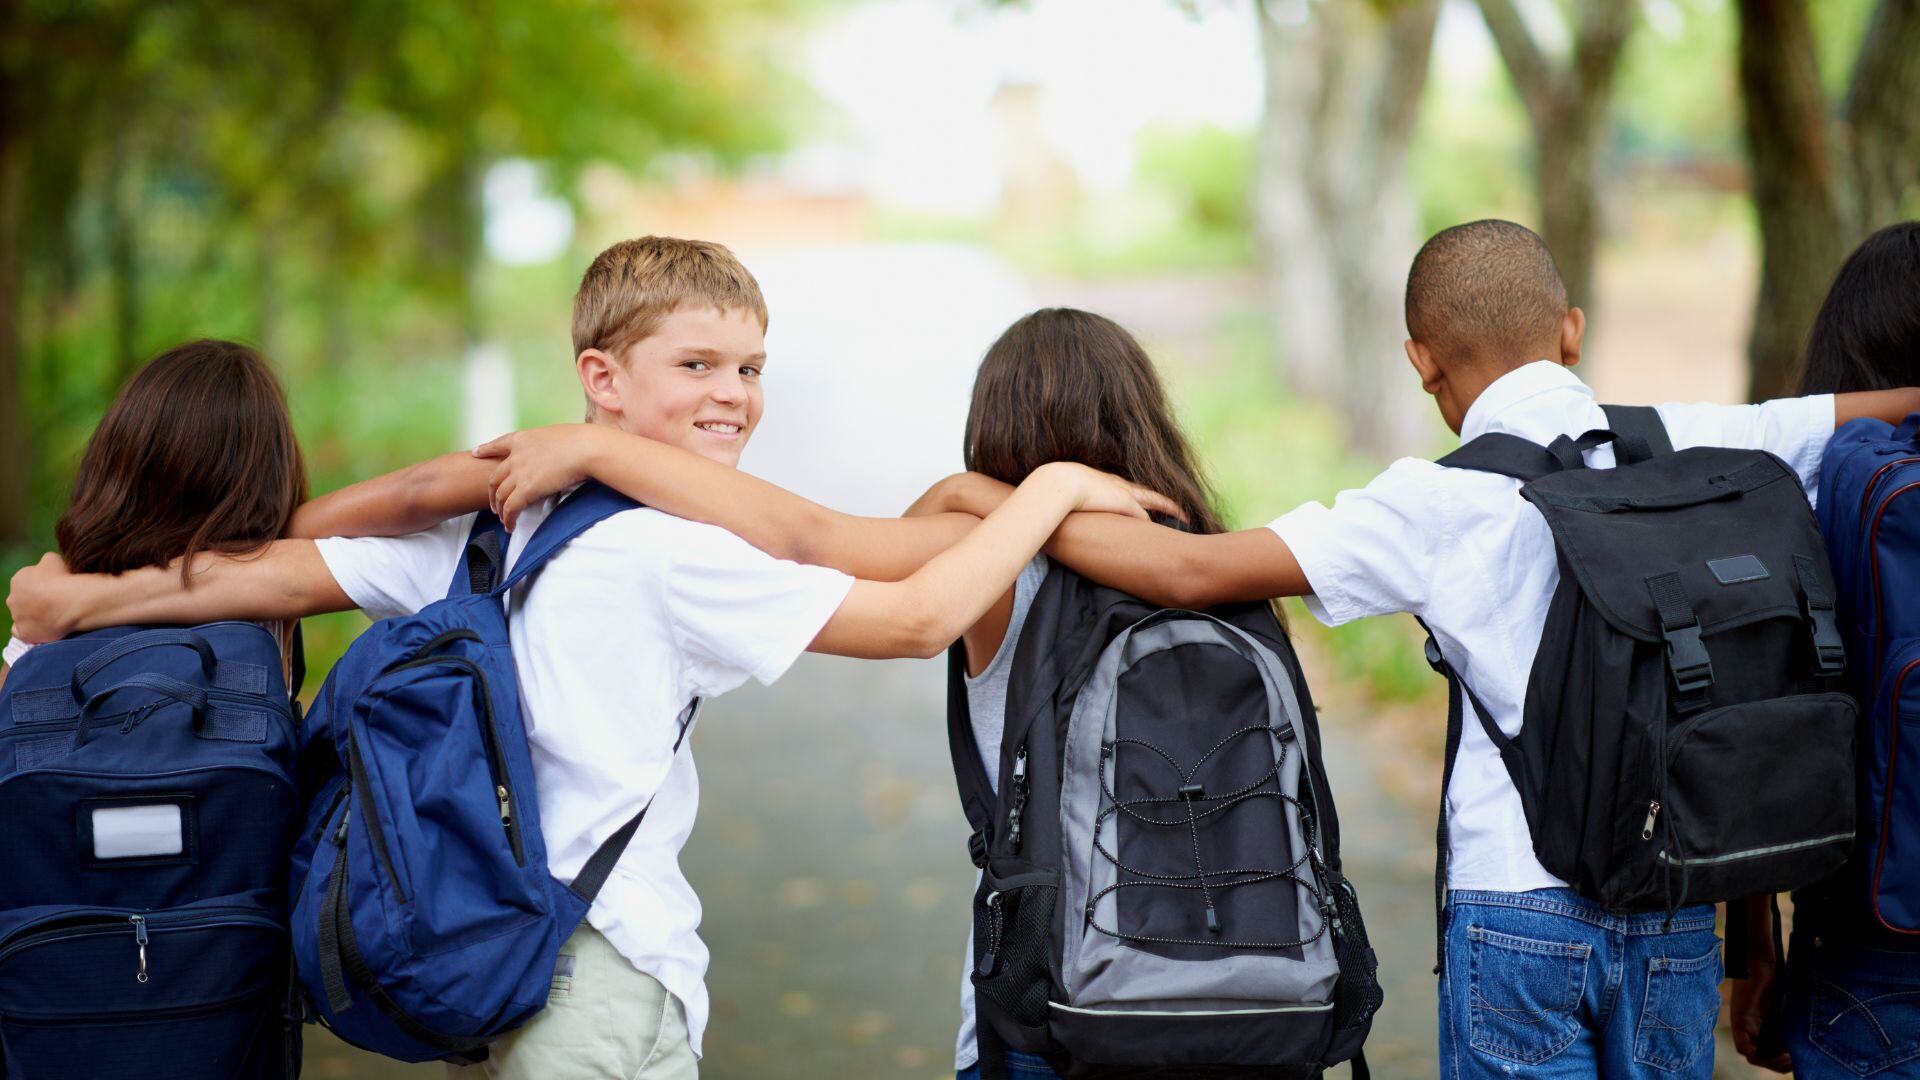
[(1537, 980)]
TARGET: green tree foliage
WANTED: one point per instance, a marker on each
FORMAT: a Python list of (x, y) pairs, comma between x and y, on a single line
[(305, 174)]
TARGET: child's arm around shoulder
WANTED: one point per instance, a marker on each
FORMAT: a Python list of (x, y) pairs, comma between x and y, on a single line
[(400, 502), (286, 579), (1892, 406), (925, 613), (1162, 565), (532, 464)]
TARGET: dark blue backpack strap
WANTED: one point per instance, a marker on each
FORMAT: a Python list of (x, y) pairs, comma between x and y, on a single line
[(588, 506), (483, 559)]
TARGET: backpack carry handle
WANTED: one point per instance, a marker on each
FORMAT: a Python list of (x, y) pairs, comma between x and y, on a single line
[(1909, 429), (186, 693), (124, 647)]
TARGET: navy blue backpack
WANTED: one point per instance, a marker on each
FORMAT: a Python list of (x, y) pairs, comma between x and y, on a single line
[(147, 805), (425, 923), (1870, 514)]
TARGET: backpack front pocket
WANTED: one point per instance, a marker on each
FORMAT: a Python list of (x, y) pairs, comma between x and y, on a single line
[(187, 993), (1012, 917), (1757, 798), (1893, 764), (437, 802)]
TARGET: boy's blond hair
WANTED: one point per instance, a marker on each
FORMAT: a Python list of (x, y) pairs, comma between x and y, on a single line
[(634, 284)]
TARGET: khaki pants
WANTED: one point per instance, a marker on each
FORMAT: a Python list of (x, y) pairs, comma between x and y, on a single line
[(605, 1021)]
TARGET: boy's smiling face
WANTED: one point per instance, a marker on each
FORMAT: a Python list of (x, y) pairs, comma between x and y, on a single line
[(693, 383)]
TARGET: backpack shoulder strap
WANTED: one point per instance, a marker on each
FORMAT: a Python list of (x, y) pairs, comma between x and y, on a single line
[(593, 875), (483, 558), (1641, 433), (593, 503), (1507, 455), (969, 772)]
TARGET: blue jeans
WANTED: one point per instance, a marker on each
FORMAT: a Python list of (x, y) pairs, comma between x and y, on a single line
[(1019, 1067), (1548, 985), (1851, 1011)]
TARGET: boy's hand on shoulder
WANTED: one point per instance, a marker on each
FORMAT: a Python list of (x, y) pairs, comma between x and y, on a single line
[(41, 600), (1106, 493), (538, 462)]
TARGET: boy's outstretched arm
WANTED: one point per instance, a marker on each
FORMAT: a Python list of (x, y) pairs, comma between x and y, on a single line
[(400, 502), (287, 579), (1162, 565), (1892, 406), (925, 613), (536, 463)]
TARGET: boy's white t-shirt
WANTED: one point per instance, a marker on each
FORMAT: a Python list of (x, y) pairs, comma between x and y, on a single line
[(1463, 551), (611, 639)]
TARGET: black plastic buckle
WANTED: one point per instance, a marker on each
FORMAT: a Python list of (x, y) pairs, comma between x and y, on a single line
[(1829, 651), (1688, 662), (977, 849)]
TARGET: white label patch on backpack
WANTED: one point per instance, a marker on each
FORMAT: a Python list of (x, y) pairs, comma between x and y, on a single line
[(131, 832)]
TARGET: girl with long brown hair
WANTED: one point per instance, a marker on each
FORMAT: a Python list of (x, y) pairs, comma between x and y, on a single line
[(197, 454)]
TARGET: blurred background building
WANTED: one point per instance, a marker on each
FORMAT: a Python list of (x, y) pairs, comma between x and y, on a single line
[(395, 199)]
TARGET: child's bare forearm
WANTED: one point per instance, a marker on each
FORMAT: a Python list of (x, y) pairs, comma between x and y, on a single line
[(400, 502), (285, 580), (1892, 406), (768, 516)]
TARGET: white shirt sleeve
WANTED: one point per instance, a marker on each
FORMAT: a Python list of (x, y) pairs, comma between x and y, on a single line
[(387, 576), (14, 651), (1796, 430), (1372, 552), (737, 612)]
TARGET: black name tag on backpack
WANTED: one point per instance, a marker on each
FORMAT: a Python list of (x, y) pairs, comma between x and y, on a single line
[(1735, 569)]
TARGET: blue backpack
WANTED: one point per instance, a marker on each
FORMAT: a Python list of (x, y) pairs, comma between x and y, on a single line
[(425, 923), (148, 800), (1870, 514)]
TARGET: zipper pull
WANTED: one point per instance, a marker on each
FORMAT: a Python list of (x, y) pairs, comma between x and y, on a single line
[(506, 806), (1653, 811), (989, 957), (140, 938), (1019, 797), (340, 834)]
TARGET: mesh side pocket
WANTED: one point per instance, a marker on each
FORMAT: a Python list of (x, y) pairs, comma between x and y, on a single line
[(1010, 935), (1357, 995)]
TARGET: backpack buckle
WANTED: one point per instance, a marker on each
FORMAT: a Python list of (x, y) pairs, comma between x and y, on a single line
[(977, 849), (1689, 664), (1829, 651), (1434, 660)]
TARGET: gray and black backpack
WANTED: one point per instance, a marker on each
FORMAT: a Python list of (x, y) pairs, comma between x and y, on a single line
[(1685, 737), (1161, 891)]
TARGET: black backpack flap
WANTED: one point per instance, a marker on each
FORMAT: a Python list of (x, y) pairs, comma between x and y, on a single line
[(1725, 536)]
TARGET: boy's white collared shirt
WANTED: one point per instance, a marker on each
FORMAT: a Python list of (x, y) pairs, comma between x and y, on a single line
[(624, 625), (1463, 551)]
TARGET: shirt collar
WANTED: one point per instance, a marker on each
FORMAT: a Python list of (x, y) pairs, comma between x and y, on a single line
[(1521, 384)]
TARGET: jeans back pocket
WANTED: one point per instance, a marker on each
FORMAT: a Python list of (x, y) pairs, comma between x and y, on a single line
[(1678, 1012), (1524, 995)]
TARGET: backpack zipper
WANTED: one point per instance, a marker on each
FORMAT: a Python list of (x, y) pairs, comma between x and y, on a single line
[(1019, 799), (1886, 810), (70, 926), (1879, 610), (1866, 496), (358, 781)]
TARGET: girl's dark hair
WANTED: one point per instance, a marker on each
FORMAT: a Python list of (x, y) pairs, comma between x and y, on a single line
[(1068, 385), (1867, 335), (196, 453)]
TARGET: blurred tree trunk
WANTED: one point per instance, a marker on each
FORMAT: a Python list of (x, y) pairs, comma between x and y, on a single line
[(16, 467), (1567, 107), (1819, 187), (1335, 210)]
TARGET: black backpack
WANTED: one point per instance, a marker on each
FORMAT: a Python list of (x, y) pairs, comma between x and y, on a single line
[(1684, 739), (1161, 891)]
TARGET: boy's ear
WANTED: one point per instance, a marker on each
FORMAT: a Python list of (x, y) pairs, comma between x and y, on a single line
[(1423, 363), (597, 371), (1573, 327)]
